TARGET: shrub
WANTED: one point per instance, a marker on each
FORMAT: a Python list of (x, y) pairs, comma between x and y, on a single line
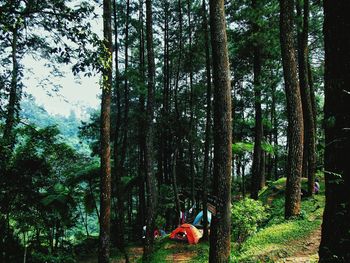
[(247, 215), (38, 257)]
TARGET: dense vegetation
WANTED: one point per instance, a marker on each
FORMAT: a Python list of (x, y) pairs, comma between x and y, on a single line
[(232, 107)]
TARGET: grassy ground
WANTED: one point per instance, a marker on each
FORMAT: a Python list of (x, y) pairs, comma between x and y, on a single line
[(171, 251), (278, 240), (281, 238)]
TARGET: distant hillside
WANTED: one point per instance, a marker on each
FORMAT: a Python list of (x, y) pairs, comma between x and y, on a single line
[(33, 113)]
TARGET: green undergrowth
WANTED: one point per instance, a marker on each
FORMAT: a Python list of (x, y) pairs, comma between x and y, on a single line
[(277, 238), (280, 238), (165, 249)]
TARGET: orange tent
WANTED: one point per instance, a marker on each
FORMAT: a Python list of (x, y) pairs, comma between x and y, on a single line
[(186, 232)]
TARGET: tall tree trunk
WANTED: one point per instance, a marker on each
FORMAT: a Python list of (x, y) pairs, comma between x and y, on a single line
[(165, 110), (274, 132), (192, 133), (105, 181), (117, 176), (10, 122), (150, 180), (335, 240), (141, 171), (94, 201), (294, 110), (120, 156), (174, 182), (309, 152), (257, 164), (220, 240), (262, 181), (126, 89), (180, 48), (25, 247), (141, 120), (206, 174)]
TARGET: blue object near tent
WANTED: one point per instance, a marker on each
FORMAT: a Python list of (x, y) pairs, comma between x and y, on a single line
[(199, 218)]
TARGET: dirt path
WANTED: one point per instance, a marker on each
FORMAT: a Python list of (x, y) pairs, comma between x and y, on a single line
[(180, 257), (308, 251), (134, 254), (179, 254)]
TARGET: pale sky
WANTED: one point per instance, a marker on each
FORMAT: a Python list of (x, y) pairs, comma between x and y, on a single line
[(74, 93)]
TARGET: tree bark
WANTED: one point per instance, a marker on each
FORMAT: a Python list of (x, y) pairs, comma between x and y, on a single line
[(220, 240), (257, 155), (10, 122), (192, 132), (294, 110), (335, 240), (180, 48), (120, 156), (150, 180), (105, 180), (141, 120), (166, 100), (309, 152), (174, 182), (274, 132), (206, 174)]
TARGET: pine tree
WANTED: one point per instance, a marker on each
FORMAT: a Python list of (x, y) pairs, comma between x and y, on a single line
[(335, 240), (105, 180), (220, 238), (294, 110)]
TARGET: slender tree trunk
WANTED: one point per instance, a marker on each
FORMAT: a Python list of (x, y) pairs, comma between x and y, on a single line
[(309, 152), (120, 156), (117, 78), (220, 241), (93, 199), (294, 110), (150, 180), (119, 218), (243, 180), (105, 181), (126, 89), (86, 224), (313, 98), (257, 156), (174, 181), (142, 201), (262, 181), (10, 122), (206, 174), (192, 133), (180, 50), (142, 198), (335, 240), (165, 110), (274, 132), (6, 152)]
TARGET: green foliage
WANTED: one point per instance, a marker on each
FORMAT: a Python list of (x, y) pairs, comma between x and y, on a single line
[(241, 147), (160, 221), (247, 215), (273, 241), (39, 257), (166, 248), (268, 148)]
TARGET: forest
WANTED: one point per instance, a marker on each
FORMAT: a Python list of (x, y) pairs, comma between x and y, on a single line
[(221, 136)]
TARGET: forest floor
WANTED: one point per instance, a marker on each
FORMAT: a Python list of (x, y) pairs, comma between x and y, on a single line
[(279, 240), (308, 249)]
